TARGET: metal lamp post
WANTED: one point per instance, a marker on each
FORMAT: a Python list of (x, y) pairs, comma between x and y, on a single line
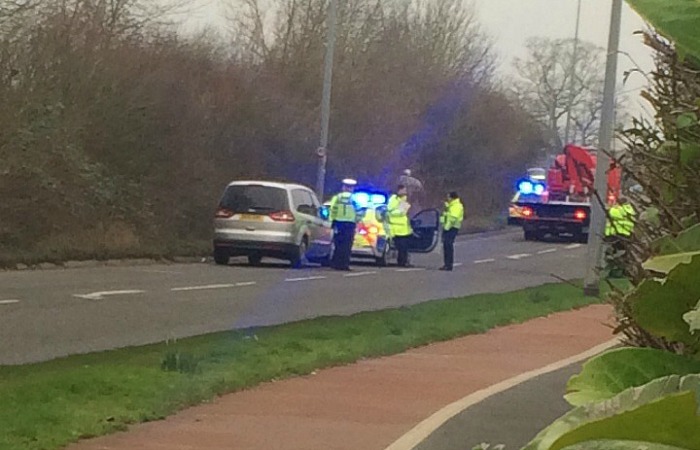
[(322, 151)]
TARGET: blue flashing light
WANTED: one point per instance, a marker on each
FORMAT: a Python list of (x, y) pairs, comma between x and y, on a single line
[(362, 199), (526, 187), (529, 187), (378, 199)]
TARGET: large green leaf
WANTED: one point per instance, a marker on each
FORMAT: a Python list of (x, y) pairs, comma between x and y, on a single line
[(666, 263), (664, 411), (675, 19), (608, 374), (659, 307), (686, 241), (607, 444), (690, 153)]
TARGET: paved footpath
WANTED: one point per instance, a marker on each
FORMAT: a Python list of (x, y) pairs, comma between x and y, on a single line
[(373, 404)]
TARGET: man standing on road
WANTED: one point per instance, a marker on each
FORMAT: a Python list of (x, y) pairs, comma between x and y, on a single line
[(451, 220), (343, 216), (399, 224), (618, 231)]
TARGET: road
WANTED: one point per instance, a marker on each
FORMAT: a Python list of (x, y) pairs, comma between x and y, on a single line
[(53, 313)]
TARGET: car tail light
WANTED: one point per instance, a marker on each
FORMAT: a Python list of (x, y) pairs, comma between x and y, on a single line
[(223, 213), (580, 214), (527, 212), (282, 216)]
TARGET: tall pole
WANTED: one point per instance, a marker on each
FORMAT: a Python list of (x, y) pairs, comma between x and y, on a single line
[(594, 258), (322, 151), (572, 74)]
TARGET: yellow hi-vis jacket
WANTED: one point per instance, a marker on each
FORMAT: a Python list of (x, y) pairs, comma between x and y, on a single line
[(397, 212), (453, 215), (621, 220), (343, 208)]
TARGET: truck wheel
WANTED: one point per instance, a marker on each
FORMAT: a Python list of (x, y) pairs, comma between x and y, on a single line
[(254, 260), (531, 235), (221, 257)]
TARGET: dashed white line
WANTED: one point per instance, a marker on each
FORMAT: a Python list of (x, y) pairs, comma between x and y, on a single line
[(8, 302), (246, 283), (411, 269), (572, 246), (359, 274), (519, 256), (484, 261), (549, 250), (292, 280), (101, 295)]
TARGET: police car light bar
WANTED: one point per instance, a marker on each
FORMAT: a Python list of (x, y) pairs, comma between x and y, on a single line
[(529, 187), (365, 199)]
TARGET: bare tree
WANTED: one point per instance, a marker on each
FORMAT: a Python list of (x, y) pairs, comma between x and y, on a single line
[(544, 87)]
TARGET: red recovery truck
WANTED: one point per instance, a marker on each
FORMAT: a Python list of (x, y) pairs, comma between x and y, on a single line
[(562, 204)]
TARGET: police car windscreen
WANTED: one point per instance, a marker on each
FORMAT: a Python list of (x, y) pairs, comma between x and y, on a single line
[(254, 199)]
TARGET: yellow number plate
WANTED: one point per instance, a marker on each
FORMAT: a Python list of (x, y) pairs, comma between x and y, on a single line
[(251, 218)]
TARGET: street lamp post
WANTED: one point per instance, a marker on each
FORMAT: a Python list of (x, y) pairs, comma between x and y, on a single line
[(598, 216), (322, 151), (572, 84)]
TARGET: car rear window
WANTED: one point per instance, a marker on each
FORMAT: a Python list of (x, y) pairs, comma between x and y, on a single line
[(254, 199)]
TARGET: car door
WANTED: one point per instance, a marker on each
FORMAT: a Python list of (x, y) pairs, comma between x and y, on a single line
[(319, 229), (426, 231)]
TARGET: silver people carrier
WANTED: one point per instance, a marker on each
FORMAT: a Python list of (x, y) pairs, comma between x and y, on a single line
[(261, 219)]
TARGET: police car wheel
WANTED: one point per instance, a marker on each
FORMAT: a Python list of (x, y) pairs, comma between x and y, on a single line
[(382, 260)]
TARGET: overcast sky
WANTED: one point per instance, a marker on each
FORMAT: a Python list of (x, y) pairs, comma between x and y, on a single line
[(511, 22)]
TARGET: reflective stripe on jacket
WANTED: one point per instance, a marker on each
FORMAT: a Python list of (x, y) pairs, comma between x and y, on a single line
[(397, 212), (453, 215)]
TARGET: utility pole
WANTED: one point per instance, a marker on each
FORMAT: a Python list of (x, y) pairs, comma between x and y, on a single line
[(594, 258), (572, 85), (322, 151)]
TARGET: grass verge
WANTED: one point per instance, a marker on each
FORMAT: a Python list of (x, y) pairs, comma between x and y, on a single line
[(47, 405)]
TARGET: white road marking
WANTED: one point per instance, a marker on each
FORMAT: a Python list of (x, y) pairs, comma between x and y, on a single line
[(246, 283), (202, 288), (8, 302), (572, 246), (411, 269), (291, 280), (359, 274), (458, 264), (484, 261), (519, 256), (101, 295), (423, 430), (549, 250)]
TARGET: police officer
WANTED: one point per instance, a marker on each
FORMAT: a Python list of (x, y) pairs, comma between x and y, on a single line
[(451, 221), (343, 215), (618, 230), (399, 223)]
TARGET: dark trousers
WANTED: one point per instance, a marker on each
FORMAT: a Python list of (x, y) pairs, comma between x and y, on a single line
[(448, 247), (343, 236), (401, 243)]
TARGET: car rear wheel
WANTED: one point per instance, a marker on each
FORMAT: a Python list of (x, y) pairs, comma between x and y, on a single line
[(298, 260), (221, 257)]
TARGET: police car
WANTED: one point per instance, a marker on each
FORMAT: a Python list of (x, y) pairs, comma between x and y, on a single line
[(373, 234)]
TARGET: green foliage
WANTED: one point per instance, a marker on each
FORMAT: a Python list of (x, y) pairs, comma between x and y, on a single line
[(659, 306), (607, 375), (664, 411), (677, 20)]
